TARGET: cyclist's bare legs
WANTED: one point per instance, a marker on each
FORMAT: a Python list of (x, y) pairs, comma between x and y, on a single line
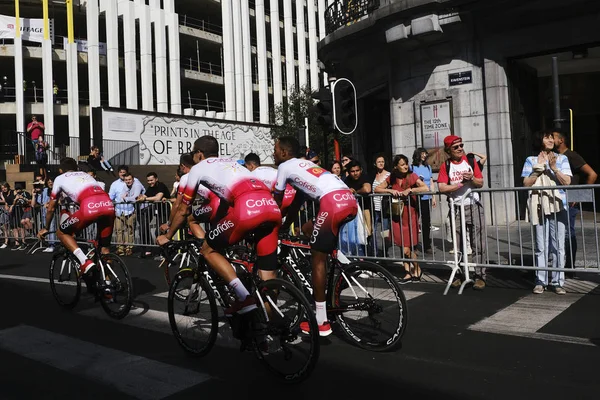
[(319, 274), (266, 275), (218, 263), (67, 240), (195, 227)]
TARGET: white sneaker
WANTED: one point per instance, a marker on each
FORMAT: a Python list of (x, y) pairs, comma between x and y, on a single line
[(538, 289), (4, 245), (48, 250)]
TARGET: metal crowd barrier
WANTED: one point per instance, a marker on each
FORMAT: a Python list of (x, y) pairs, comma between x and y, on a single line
[(507, 238), (136, 224)]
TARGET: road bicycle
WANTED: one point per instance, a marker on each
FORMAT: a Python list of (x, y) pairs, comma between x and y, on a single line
[(365, 298), (272, 331), (109, 281)]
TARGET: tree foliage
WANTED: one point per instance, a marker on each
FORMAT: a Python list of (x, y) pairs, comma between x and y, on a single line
[(288, 119)]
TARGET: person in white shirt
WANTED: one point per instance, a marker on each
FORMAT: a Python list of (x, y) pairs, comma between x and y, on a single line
[(455, 178)]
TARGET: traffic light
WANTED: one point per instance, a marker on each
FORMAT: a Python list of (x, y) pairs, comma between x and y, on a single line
[(344, 101), (324, 108)]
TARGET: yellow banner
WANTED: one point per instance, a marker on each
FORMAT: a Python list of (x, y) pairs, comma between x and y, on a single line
[(46, 20), (70, 30), (17, 20)]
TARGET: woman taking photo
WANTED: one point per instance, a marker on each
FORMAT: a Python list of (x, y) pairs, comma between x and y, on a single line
[(548, 209), (402, 183)]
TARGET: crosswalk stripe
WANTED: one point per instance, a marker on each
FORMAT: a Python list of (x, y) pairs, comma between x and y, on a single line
[(37, 280), (24, 278), (158, 321), (136, 376), (530, 314)]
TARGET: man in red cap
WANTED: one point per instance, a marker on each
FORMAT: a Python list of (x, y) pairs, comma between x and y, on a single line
[(457, 176)]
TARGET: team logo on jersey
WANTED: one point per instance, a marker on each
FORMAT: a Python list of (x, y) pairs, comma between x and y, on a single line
[(69, 222), (319, 221), (316, 171), (220, 228)]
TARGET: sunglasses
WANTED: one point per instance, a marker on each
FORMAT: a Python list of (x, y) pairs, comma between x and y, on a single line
[(345, 159), (458, 146)]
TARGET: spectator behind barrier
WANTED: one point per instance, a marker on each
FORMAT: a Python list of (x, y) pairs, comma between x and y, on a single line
[(548, 210), (381, 208), (583, 174), (124, 191), (6, 200), (21, 216), (155, 192), (402, 183), (455, 178)]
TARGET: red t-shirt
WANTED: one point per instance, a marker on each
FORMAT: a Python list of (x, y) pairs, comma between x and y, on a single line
[(37, 131)]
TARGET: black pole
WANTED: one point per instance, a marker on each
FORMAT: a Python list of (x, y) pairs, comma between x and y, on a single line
[(556, 93)]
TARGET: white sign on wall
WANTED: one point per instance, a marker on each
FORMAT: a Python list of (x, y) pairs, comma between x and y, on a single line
[(82, 46), (163, 139), (32, 29), (436, 123)]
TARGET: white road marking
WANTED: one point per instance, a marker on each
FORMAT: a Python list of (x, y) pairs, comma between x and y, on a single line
[(158, 321), (528, 315), (134, 375), (25, 278), (412, 294)]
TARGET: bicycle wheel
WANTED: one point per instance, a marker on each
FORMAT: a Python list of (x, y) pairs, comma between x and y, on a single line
[(184, 260), (64, 280), (193, 320), (115, 288), (370, 306), (278, 341)]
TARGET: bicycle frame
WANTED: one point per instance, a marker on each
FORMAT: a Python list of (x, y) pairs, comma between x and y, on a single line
[(335, 265)]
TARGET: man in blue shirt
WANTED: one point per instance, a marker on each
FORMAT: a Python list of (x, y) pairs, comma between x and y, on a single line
[(124, 192)]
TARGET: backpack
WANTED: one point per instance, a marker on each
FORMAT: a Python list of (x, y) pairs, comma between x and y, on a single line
[(470, 160)]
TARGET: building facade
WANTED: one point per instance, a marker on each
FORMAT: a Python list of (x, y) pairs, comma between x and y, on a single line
[(488, 61), (224, 59)]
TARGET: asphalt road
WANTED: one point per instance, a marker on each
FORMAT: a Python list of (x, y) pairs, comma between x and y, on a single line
[(497, 344)]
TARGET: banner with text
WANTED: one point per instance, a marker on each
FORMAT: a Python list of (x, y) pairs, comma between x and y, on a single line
[(436, 124), (163, 139), (82, 46), (32, 29)]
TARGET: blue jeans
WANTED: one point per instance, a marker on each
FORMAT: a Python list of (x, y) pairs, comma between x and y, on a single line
[(348, 239), (571, 241), (550, 240)]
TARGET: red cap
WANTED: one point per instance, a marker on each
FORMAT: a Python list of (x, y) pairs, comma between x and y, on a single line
[(450, 140)]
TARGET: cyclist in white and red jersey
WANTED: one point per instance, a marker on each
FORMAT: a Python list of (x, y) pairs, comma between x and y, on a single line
[(252, 209), (337, 205), (209, 202), (94, 206), (268, 175)]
